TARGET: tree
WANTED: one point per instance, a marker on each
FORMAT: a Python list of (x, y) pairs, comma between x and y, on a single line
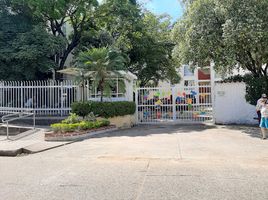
[(121, 19), (25, 46), (231, 33), (151, 55), (101, 65), (63, 16), (142, 35)]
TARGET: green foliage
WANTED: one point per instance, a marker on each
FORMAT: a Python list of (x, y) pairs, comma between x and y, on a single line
[(78, 15), (25, 45), (75, 123), (81, 108), (255, 87), (144, 37), (90, 117), (151, 55), (100, 65), (236, 78), (231, 33), (82, 125), (37, 36), (121, 18), (113, 109), (105, 109), (72, 119)]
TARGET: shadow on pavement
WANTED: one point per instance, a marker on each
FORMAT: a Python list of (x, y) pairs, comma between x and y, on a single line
[(145, 130), (252, 131)]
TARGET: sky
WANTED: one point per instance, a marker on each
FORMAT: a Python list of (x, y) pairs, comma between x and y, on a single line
[(171, 7)]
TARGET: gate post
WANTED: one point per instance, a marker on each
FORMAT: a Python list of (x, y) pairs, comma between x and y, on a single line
[(212, 88), (173, 92), (137, 105)]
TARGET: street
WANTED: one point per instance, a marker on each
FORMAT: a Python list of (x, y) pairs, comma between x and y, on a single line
[(145, 163)]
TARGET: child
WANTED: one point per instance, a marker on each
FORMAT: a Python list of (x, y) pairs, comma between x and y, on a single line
[(264, 120)]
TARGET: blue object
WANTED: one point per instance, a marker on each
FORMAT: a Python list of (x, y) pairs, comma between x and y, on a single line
[(193, 93), (178, 99), (264, 122)]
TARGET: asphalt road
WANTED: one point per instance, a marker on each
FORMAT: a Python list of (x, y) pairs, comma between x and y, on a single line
[(145, 163)]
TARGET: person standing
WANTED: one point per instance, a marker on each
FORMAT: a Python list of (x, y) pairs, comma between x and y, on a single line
[(264, 120), (259, 105)]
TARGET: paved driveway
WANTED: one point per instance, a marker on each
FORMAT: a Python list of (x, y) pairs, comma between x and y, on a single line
[(146, 162)]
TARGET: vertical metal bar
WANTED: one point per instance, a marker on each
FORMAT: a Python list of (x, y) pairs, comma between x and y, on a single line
[(12, 96), (45, 97), (33, 95), (1, 94), (21, 95), (173, 92), (7, 130), (61, 98), (34, 119), (38, 109), (117, 87)]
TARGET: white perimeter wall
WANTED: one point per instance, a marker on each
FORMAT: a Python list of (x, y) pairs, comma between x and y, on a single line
[(230, 104)]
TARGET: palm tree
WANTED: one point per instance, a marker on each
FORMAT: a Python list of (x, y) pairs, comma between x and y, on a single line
[(101, 64)]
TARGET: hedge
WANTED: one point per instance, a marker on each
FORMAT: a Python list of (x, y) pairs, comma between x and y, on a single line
[(104, 109), (83, 125)]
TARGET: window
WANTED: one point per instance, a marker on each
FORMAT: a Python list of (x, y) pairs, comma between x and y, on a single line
[(117, 89)]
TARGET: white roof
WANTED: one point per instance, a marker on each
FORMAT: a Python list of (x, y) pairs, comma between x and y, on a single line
[(78, 72)]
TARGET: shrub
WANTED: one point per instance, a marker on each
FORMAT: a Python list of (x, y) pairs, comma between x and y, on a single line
[(83, 125), (104, 109), (62, 127), (81, 108), (72, 119), (90, 117), (255, 87)]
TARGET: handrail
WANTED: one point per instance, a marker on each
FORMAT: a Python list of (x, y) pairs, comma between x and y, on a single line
[(20, 115)]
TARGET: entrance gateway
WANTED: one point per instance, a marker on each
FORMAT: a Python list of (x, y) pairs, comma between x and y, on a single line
[(188, 104)]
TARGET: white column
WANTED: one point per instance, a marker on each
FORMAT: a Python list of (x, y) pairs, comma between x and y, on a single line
[(129, 87), (212, 81), (137, 105)]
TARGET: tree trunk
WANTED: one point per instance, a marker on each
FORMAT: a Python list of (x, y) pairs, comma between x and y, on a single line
[(66, 52), (101, 89), (101, 99)]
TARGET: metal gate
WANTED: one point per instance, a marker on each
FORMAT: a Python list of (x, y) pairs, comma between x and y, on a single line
[(175, 104)]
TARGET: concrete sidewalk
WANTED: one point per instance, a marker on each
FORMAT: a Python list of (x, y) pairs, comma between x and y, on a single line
[(29, 142)]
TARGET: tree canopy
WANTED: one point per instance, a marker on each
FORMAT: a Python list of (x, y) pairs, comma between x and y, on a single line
[(144, 37), (60, 15), (26, 47), (231, 33), (151, 55), (46, 33)]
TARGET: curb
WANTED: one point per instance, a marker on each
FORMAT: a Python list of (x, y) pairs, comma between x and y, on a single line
[(78, 137), (28, 151), (13, 153)]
